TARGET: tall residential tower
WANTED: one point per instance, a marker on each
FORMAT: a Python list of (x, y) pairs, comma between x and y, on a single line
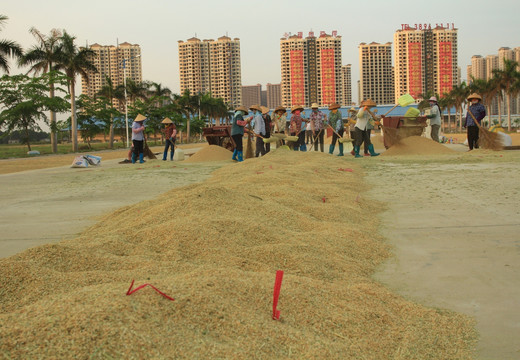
[(212, 66), (311, 69), (376, 73)]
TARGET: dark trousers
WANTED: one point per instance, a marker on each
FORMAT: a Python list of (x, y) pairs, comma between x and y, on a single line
[(473, 137), (308, 136), (138, 147), (362, 136), (238, 141), (335, 137), (365, 145), (169, 144), (260, 149), (318, 138)]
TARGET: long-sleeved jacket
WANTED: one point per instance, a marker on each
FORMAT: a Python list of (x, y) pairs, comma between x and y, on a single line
[(479, 112)]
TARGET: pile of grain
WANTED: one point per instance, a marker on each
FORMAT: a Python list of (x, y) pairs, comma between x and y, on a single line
[(215, 247), (417, 145), (210, 153)]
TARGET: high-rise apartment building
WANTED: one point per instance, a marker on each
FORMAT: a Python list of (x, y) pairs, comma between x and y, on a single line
[(113, 62), (310, 69), (477, 68), (346, 84), (425, 60), (376, 72), (274, 95), (212, 66), (251, 95)]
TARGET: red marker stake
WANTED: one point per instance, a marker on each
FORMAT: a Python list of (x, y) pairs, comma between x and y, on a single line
[(130, 291), (276, 293)]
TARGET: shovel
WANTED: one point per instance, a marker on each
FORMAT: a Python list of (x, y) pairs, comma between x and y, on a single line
[(412, 113), (403, 101)]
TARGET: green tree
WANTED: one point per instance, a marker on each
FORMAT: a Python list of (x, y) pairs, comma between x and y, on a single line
[(108, 91), (507, 79), (42, 58), (8, 48), (446, 102), (74, 61), (188, 105), (459, 94), (25, 100)]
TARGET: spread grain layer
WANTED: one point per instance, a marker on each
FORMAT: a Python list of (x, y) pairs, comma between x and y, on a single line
[(215, 247)]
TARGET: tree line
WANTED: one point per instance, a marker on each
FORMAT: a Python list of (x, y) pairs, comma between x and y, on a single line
[(54, 63)]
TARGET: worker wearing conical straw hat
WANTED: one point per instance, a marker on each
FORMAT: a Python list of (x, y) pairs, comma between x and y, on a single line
[(362, 135), (268, 126), (138, 138), (295, 128), (279, 120), (435, 118), (336, 123), (170, 134), (258, 124), (317, 121), (237, 132), (479, 112)]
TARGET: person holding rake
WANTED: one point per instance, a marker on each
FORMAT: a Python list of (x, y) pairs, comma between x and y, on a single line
[(362, 129)]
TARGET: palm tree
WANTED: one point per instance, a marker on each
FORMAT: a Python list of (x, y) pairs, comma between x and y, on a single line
[(74, 61), (8, 48), (507, 80), (446, 102), (459, 94), (108, 91), (189, 105), (43, 58)]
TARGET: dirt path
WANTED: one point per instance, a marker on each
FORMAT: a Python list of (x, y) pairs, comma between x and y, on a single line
[(454, 226)]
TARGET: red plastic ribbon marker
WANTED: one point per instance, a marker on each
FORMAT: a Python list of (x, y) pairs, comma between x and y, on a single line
[(347, 169), (276, 293), (130, 291), (324, 199)]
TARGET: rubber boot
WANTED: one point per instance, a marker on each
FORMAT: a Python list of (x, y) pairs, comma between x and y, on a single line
[(141, 158), (239, 155), (133, 158), (356, 152), (234, 155), (340, 145), (371, 150), (331, 149), (165, 155)]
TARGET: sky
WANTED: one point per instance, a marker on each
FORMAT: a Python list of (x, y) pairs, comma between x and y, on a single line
[(157, 26)]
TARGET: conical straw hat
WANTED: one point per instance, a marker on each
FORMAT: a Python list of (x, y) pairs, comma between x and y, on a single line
[(167, 121), (139, 118)]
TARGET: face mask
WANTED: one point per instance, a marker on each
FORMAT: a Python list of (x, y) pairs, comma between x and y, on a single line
[(314, 110), (474, 101)]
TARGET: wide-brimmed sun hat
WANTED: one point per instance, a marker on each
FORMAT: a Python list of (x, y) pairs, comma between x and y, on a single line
[(314, 106), (280, 109), (296, 107), (475, 96), (139, 118), (264, 109), (433, 98), (167, 121), (255, 107), (334, 106), (242, 108), (368, 102)]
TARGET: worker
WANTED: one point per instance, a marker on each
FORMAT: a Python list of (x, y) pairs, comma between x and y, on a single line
[(435, 118), (296, 126), (479, 112), (362, 135), (279, 123), (138, 138), (317, 122), (336, 123), (237, 132), (268, 126), (352, 125), (170, 134), (258, 124)]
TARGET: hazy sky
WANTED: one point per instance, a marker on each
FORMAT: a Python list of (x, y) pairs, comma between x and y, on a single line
[(157, 25)]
